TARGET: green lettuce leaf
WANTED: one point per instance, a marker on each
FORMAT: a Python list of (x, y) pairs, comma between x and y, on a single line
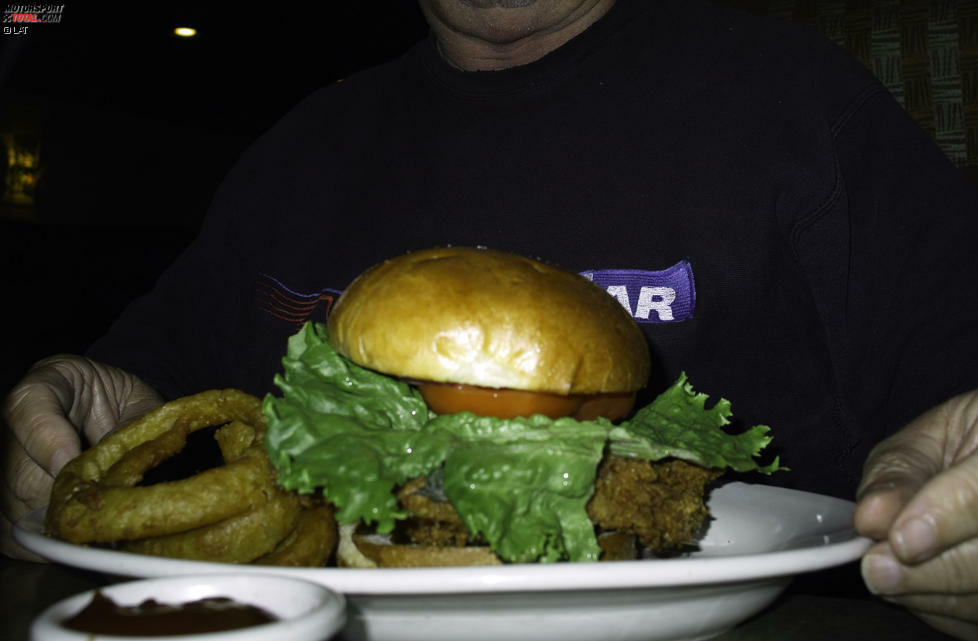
[(345, 430), (520, 484), (678, 424)]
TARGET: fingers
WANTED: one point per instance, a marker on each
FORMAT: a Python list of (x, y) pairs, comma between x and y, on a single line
[(943, 591), (141, 400), (112, 398), (943, 514), (920, 486), (27, 485), (878, 509), (894, 472), (35, 416), (65, 394), (919, 497), (37, 442), (42, 417), (25, 488), (952, 572), (920, 523)]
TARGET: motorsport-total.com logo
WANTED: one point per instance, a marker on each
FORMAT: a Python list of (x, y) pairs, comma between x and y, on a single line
[(19, 18)]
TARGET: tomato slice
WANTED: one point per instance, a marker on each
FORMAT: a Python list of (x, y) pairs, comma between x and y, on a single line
[(451, 398), (612, 406)]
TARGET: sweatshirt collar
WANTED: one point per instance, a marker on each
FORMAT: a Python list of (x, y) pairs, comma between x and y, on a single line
[(542, 73)]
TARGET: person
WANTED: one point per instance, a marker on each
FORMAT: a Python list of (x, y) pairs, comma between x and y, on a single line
[(775, 222)]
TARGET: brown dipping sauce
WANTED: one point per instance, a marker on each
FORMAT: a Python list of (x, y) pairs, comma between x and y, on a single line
[(153, 619)]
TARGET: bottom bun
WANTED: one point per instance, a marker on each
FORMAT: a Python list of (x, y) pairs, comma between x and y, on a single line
[(618, 546), (357, 549)]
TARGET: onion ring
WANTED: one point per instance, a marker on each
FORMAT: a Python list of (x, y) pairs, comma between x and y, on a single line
[(129, 469), (239, 539), (311, 544), (94, 499)]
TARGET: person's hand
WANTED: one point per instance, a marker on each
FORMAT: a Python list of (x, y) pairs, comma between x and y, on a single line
[(43, 418), (919, 500)]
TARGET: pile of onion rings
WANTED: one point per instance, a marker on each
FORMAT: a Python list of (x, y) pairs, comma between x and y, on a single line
[(233, 513)]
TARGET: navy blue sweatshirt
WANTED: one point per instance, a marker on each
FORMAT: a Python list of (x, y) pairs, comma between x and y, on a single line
[(775, 222)]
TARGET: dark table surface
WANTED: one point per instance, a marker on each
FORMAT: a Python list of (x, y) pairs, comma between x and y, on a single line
[(799, 615)]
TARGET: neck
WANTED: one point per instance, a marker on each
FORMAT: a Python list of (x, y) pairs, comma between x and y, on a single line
[(492, 39)]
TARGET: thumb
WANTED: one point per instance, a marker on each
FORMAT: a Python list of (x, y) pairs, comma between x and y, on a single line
[(894, 473)]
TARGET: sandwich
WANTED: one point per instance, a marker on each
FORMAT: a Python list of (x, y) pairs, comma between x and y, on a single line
[(470, 406)]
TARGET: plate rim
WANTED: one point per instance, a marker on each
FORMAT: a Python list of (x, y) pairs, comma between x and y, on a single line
[(846, 546)]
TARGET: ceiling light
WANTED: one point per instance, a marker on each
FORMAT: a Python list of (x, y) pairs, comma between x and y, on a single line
[(185, 32)]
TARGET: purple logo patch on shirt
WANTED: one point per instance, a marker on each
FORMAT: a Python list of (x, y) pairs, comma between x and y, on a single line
[(665, 296)]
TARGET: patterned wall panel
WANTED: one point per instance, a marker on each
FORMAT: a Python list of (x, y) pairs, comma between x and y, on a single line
[(924, 51)]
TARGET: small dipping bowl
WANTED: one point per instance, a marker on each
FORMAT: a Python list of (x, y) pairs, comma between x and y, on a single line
[(305, 611)]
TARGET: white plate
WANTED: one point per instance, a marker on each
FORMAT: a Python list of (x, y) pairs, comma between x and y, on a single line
[(759, 538)]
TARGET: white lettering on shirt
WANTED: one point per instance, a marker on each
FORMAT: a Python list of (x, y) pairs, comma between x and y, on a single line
[(654, 298)]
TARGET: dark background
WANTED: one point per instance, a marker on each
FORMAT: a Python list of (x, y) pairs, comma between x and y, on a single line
[(135, 128)]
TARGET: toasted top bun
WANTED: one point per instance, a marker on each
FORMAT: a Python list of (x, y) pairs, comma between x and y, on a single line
[(488, 318)]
